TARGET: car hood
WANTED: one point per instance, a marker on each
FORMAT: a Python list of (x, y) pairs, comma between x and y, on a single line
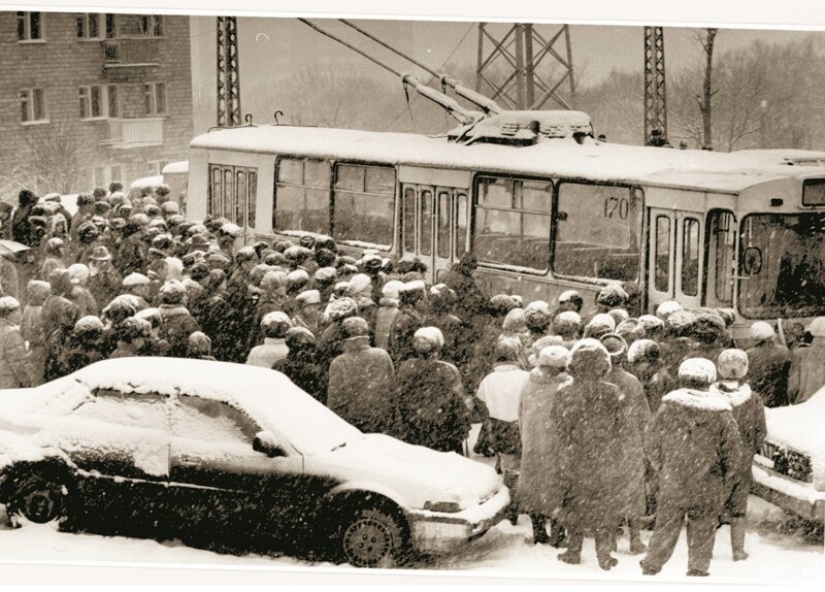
[(409, 468), (799, 427)]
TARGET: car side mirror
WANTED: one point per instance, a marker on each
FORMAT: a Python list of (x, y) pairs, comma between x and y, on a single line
[(265, 442)]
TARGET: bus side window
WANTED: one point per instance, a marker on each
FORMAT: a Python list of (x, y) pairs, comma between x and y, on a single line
[(408, 222), (690, 257), (723, 238), (215, 190), (460, 225), (228, 201), (661, 280), (444, 219), (427, 223), (252, 189), (240, 197)]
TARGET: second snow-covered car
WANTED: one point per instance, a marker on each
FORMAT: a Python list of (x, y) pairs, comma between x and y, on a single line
[(209, 449)]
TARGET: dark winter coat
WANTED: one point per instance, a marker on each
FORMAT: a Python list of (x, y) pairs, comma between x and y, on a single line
[(674, 352), (362, 385), (431, 407), (593, 430), (749, 413), (82, 354), (693, 444), (471, 303), (21, 226), (769, 366), (538, 490), (219, 320), (638, 416), (301, 368), (105, 285), (176, 327), (330, 344), (384, 319), (657, 386), (15, 369), (85, 301), (131, 256), (57, 354), (404, 327), (452, 330)]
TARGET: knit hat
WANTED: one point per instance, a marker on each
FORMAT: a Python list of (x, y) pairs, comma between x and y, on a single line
[(667, 308), (732, 364), (391, 288), (355, 327), (427, 339), (342, 308), (309, 297), (554, 356), (135, 279), (615, 345), (612, 296), (538, 315), (589, 358), (643, 350), (698, 370), (88, 324), (599, 325), (762, 331)]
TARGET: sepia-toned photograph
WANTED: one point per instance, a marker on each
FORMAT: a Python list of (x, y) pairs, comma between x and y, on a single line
[(412, 296)]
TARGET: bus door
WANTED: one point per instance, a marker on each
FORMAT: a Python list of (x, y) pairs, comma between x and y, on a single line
[(434, 226), (675, 255)]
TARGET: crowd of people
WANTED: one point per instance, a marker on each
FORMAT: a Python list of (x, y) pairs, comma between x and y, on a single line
[(596, 421)]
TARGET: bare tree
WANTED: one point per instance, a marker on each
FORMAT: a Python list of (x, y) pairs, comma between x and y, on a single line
[(707, 40)]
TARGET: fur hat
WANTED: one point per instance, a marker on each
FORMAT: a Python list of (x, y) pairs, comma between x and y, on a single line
[(567, 322), (612, 296), (391, 289), (698, 370), (37, 291), (309, 297), (88, 324), (554, 356), (134, 328), (325, 275), (8, 304), (619, 315), (78, 273), (643, 350), (515, 321), (152, 315), (546, 341), (342, 308), (817, 328), (355, 327), (589, 358), (651, 324), (360, 282), (276, 319), (135, 279), (667, 308), (679, 322), (427, 339), (501, 304), (732, 364), (172, 293), (572, 296), (762, 331), (599, 325), (297, 337), (615, 345)]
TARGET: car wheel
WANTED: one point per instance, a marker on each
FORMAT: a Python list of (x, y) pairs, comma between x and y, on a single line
[(39, 500), (371, 538)]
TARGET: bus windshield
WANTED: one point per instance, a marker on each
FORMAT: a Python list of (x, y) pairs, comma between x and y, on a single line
[(782, 265)]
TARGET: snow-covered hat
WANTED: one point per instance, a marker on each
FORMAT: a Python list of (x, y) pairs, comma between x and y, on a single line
[(134, 328), (342, 289), (355, 327), (298, 336), (698, 370), (273, 280), (728, 315), (615, 345), (518, 300), (762, 331), (667, 308), (174, 268), (554, 356), (612, 296), (631, 330), (619, 315), (570, 296), (325, 275), (342, 308), (427, 339), (515, 322), (78, 273), (567, 321), (391, 288), (501, 304), (413, 286), (170, 207), (732, 364), (679, 321), (274, 319), (135, 279), (298, 276), (643, 350), (8, 304), (538, 315), (88, 324), (152, 315), (588, 357), (100, 253), (651, 323), (546, 341), (599, 325), (172, 292), (817, 328), (360, 282), (230, 229), (309, 297)]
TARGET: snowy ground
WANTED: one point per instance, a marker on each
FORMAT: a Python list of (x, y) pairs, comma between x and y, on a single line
[(778, 553)]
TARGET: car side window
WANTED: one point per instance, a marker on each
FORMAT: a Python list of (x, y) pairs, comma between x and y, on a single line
[(135, 410), (204, 419)]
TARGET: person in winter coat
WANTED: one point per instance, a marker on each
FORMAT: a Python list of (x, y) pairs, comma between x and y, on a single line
[(749, 413), (500, 391), (9, 278), (80, 294), (31, 328), (538, 494), (361, 286), (60, 286), (514, 327), (593, 432), (199, 347), (694, 446), (331, 341), (432, 410), (131, 338), (117, 311), (219, 319), (442, 301), (272, 299), (568, 325), (538, 318), (807, 372), (677, 343), (362, 381), (413, 298), (177, 323), (274, 327), (300, 364), (707, 334), (104, 279), (21, 226), (58, 342), (54, 256), (388, 309), (6, 210), (635, 405), (769, 366), (15, 369), (471, 303), (133, 253), (645, 363), (154, 345), (84, 344), (308, 312)]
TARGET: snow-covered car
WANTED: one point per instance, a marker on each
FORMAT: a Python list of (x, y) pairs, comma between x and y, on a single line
[(176, 446), (789, 471)]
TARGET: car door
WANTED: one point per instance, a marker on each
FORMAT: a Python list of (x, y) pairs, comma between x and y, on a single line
[(219, 485), (120, 444)]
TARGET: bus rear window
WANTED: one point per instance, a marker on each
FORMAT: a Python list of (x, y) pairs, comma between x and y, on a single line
[(301, 196), (364, 205), (813, 192)]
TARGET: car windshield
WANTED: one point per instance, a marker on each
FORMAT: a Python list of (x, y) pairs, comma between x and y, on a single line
[(782, 265)]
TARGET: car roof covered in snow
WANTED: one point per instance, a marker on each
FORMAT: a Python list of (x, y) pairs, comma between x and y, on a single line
[(181, 166), (608, 162), (269, 397)]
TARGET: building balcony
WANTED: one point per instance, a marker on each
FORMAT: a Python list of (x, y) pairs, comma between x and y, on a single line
[(135, 133), (131, 52)]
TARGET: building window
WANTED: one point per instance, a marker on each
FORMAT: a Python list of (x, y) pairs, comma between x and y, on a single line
[(156, 166), (99, 101), (151, 25), (513, 222), (103, 176), (89, 26), (29, 26), (154, 98), (33, 105), (364, 206)]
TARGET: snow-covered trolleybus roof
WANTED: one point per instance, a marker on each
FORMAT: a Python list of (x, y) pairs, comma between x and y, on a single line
[(596, 161)]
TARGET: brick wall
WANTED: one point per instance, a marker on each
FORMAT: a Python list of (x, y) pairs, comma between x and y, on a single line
[(66, 144)]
